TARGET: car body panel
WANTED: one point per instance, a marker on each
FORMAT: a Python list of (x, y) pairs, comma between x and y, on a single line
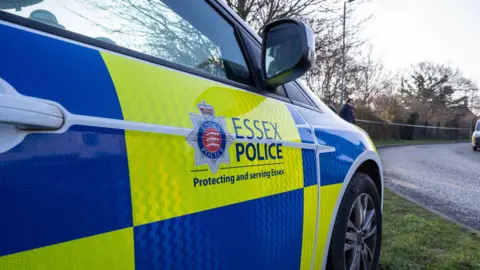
[(152, 190), (122, 185), (353, 147)]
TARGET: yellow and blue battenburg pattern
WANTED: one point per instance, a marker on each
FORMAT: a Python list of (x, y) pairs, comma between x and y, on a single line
[(236, 196)]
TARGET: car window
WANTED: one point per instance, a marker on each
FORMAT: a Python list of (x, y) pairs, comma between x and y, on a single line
[(185, 32), (314, 98), (478, 126), (297, 96)]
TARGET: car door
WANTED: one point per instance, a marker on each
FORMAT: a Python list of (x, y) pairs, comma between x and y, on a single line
[(164, 152)]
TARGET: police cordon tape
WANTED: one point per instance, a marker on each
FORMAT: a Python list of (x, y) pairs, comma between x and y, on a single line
[(408, 125)]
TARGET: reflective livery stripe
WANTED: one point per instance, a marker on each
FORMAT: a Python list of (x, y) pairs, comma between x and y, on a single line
[(328, 199), (310, 202)]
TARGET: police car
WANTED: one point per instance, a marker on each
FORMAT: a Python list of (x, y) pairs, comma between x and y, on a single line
[(167, 135), (476, 137)]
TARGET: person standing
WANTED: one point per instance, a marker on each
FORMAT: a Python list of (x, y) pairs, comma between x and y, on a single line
[(331, 105), (347, 111)]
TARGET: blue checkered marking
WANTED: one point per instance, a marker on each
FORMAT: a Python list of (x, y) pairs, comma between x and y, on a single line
[(59, 187), (262, 234), (334, 166), (309, 167), (48, 68)]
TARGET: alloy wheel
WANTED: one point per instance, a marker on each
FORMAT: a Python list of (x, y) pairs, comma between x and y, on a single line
[(361, 234)]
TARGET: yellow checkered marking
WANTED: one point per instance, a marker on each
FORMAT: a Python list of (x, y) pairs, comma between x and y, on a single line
[(112, 250), (155, 95), (310, 202), (162, 184), (328, 199), (162, 167)]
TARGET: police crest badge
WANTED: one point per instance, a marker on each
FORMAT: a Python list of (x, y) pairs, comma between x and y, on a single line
[(209, 138)]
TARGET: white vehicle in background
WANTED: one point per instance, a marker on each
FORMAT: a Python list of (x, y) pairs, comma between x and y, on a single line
[(476, 137)]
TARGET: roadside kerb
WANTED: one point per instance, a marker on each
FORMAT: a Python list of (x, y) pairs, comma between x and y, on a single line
[(436, 212)]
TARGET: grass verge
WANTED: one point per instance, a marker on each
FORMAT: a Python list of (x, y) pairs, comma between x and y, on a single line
[(402, 142), (414, 238)]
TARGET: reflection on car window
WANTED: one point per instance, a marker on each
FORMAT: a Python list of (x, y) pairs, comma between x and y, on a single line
[(46, 17), (189, 33)]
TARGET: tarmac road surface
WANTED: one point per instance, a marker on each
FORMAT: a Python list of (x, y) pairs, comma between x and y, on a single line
[(444, 177)]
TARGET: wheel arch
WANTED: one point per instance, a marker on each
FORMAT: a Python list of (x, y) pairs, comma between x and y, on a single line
[(369, 163), (371, 168)]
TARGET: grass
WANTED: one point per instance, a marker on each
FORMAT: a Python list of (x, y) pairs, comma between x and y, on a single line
[(414, 238), (402, 142)]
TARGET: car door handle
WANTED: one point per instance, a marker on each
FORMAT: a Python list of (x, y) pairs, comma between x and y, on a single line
[(29, 113)]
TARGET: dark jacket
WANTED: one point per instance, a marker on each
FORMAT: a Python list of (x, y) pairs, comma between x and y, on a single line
[(347, 114)]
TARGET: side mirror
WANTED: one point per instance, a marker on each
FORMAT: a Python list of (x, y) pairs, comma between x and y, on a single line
[(288, 51)]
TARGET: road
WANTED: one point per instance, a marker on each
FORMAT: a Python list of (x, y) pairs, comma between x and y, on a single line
[(445, 177)]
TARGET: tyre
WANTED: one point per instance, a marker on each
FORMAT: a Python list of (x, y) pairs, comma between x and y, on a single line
[(475, 148), (357, 232)]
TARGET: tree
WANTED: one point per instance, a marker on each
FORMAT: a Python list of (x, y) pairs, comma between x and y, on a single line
[(325, 76), (430, 82), (437, 91), (389, 107), (371, 78), (471, 94), (325, 17), (259, 13)]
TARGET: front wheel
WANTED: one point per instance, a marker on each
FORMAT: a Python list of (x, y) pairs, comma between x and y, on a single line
[(357, 232), (475, 148)]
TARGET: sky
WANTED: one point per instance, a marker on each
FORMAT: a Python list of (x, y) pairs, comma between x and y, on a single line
[(405, 32)]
